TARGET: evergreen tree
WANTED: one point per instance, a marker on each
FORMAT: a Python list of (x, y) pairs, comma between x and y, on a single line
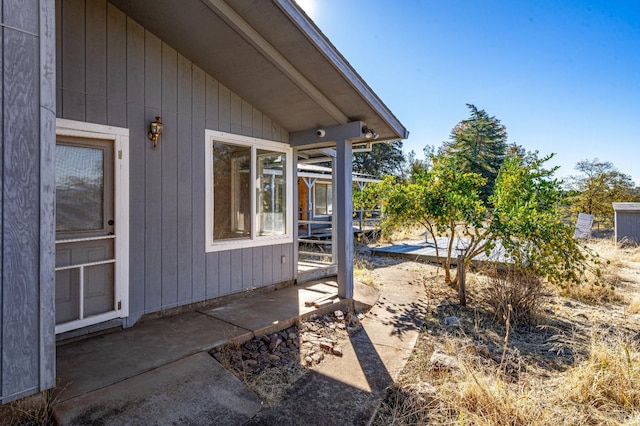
[(385, 158), (478, 144), (417, 167)]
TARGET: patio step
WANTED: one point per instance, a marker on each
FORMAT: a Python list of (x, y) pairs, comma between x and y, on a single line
[(196, 390), (142, 374)]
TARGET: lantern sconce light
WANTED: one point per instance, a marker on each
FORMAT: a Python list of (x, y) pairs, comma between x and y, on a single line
[(155, 130)]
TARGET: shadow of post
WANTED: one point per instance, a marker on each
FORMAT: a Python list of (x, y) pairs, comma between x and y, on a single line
[(348, 390), (345, 391)]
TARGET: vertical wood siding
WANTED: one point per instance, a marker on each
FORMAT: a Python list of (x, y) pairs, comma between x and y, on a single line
[(27, 346), (628, 226), (113, 71)]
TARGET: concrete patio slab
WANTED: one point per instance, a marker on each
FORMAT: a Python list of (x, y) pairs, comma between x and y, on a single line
[(276, 310), (100, 361), (319, 400), (392, 334), (196, 390), (364, 296), (159, 373)]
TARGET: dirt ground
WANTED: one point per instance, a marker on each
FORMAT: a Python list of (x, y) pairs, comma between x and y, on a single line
[(524, 374)]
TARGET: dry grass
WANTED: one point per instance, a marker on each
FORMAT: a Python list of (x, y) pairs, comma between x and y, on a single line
[(604, 289), (404, 234), (605, 387), (271, 384), (581, 366), (616, 257), (363, 266), (591, 293), (481, 397), (364, 276), (476, 394), (32, 410)]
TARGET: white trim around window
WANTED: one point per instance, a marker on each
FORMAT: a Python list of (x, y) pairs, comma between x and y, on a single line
[(241, 203)]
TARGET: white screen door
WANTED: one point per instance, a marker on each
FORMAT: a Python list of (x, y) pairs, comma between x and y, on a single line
[(87, 232)]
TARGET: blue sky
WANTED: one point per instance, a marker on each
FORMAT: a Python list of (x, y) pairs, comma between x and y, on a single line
[(562, 75)]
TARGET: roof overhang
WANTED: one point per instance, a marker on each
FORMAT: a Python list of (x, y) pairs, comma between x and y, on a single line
[(626, 207), (273, 56)]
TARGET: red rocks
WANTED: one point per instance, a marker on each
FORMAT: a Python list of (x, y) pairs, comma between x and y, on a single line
[(307, 343)]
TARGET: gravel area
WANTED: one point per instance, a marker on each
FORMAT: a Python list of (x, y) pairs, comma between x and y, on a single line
[(307, 343)]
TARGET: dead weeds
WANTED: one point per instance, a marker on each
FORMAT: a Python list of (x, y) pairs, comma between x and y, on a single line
[(579, 364)]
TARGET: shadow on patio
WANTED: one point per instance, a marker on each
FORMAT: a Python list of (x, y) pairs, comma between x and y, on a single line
[(130, 376)]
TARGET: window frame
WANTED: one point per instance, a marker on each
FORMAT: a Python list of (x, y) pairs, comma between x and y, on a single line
[(255, 240), (327, 185)]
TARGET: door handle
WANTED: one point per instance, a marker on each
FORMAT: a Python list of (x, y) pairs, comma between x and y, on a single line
[(110, 222)]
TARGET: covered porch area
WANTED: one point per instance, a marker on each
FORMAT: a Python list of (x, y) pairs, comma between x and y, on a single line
[(88, 368)]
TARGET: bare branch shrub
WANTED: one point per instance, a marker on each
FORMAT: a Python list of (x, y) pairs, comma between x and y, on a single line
[(515, 293)]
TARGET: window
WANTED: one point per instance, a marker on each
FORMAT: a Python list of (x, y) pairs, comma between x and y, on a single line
[(323, 199), (272, 192), (249, 189), (231, 191), (80, 190)]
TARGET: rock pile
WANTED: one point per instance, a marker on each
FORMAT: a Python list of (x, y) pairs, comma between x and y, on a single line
[(306, 343)]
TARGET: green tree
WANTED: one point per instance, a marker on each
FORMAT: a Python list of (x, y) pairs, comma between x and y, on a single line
[(442, 199), (479, 145), (597, 186), (385, 158), (522, 215), (526, 220), (416, 166)]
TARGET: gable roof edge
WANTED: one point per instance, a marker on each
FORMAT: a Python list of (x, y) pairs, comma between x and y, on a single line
[(322, 43)]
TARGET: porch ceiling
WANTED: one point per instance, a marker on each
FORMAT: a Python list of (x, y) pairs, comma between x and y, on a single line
[(271, 55)]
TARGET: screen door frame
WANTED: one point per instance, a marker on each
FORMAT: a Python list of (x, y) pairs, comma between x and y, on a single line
[(119, 138)]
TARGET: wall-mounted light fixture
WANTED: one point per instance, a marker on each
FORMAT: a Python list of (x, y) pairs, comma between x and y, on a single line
[(155, 130), (369, 133)]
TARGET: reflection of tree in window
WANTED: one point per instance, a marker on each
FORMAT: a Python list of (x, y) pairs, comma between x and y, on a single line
[(79, 188), (231, 191), (272, 197)]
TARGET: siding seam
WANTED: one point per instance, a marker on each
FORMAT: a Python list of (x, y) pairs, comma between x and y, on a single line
[(2, 179), (11, 27)]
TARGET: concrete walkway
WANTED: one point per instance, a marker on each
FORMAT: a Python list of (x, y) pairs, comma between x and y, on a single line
[(348, 390), (159, 372)]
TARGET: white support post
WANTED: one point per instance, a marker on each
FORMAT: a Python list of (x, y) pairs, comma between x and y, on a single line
[(344, 218)]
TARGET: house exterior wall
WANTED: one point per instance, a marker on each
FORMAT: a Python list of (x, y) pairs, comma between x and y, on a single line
[(111, 70), (627, 226), (27, 348)]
